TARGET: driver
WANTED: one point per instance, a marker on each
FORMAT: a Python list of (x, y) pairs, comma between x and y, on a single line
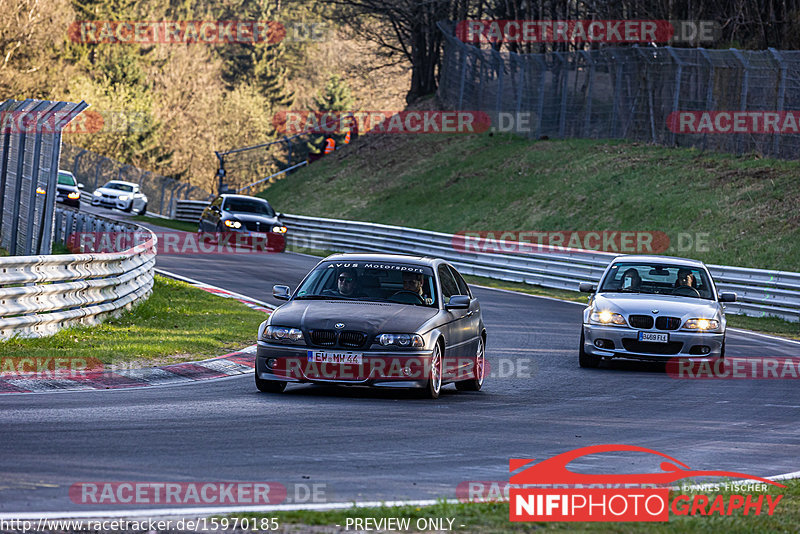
[(685, 278), (413, 282), (347, 283), (631, 281)]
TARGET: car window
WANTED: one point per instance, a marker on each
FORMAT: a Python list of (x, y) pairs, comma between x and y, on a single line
[(65, 179), (244, 205), (382, 282), (658, 279), (449, 285), (463, 288)]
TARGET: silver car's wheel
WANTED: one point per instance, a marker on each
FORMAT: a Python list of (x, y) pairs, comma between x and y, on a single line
[(475, 383), (435, 379)]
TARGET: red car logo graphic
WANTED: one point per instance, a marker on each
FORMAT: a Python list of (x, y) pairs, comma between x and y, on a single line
[(554, 470)]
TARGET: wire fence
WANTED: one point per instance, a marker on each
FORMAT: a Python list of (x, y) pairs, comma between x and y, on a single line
[(94, 170), (30, 138), (642, 93)]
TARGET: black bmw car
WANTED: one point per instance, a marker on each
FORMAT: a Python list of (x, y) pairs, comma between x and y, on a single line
[(68, 190), (375, 320), (244, 214)]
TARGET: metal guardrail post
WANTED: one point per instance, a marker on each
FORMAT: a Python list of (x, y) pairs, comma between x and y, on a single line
[(540, 103), (515, 59), (589, 86), (676, 96), (500, 68), (97, 168), (76, 160), (743, 96), (464, 53), (617, 95), (564, 82), (709, 89), (15, 219), (34, 191), (780, 97)]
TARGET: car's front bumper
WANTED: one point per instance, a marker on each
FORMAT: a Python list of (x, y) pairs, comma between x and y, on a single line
[(626, 344), (111, 203), (291, 363), (74, 202)]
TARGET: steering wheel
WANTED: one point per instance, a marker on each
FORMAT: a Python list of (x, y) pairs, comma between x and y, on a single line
[(688, 291), (404, 292)]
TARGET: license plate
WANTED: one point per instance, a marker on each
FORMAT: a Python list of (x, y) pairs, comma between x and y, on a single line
[(321, 356), (654, 337)]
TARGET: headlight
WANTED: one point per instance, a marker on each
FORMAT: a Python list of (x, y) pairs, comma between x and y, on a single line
[(41, 190), (233, 224), (701, 324), (74, 195), (279, 229), (97, 194), (283, 333), (124, 197), (401, 340), (608, 318)]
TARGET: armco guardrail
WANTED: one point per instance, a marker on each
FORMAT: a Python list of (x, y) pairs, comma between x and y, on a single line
[(761, 292), (189, 210), (39, 295)]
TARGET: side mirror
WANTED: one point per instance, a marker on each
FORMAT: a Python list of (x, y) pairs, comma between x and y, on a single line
[(80, 185), (458, 302), (727, 296), (587, 287), (281, 292)]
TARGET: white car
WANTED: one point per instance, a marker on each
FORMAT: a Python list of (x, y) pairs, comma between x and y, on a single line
[(124, 196)]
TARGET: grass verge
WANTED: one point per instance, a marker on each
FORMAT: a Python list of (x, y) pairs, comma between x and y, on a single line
[(719, 208), (492, 518), (177, 323)]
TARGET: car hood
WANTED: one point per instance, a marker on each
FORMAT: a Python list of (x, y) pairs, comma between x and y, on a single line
[(667, 305), (369, 317), (250, 217), (112, 192)]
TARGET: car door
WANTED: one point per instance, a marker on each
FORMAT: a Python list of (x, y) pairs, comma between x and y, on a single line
[(473, 313), (210, 216), (456, 330)]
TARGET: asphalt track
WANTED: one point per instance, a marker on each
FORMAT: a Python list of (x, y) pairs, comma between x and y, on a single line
[(375, 445)]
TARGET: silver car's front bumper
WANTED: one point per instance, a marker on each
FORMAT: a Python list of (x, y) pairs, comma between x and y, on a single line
[(626, 343)]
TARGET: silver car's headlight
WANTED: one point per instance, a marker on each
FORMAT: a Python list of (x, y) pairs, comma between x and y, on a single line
[(97, 194), (283, 334), (703, 325), (401, 340), (124, 197), (606, 317)]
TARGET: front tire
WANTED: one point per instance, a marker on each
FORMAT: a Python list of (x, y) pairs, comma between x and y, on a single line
[(269, 386), (475, 383), (434, 385), (143, 210), (584, 358)]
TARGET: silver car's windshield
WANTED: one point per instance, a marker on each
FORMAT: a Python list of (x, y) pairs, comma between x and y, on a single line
[(658, 279), (119, 187), (379, 282)]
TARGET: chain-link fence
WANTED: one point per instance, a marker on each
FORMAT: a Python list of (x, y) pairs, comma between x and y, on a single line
[(30, 137), (94, 170), (642, 93)]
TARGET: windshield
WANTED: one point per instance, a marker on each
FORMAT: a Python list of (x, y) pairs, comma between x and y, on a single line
[(119, 187), (246, 205), (381, 282), (65, 179), (658, 279)]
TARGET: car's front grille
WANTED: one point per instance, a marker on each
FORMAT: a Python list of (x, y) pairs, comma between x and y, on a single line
[(330, 338), (323, 338), (256, 226), (646, 347), (668, 323), (352, 339), (640, 321)]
